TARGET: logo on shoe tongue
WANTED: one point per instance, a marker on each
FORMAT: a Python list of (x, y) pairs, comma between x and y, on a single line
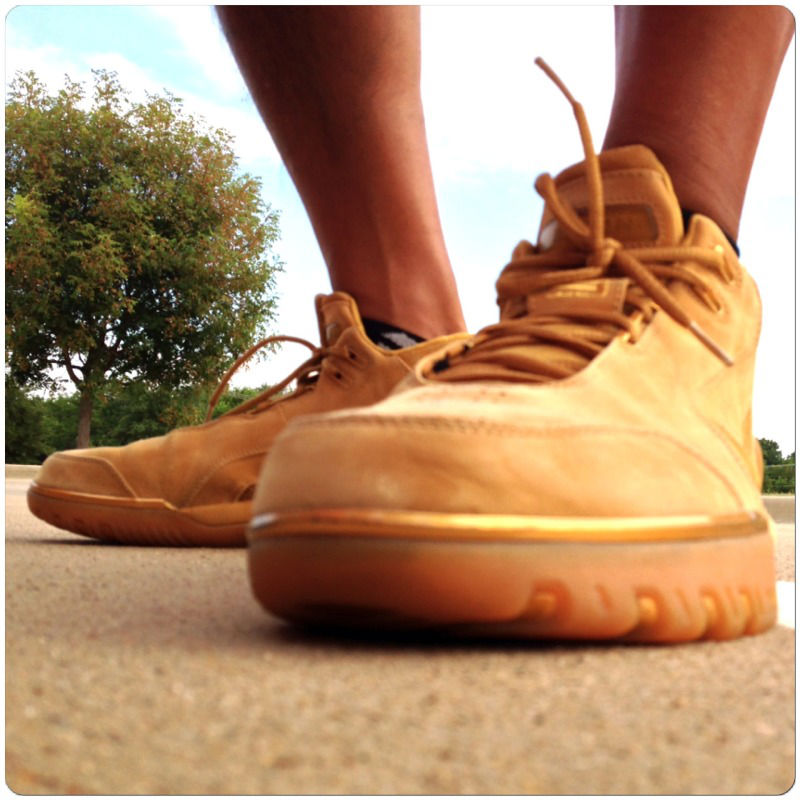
[(632, 224), (607, 294), (332, 331)]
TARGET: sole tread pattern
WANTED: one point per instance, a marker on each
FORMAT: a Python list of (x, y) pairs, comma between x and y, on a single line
[(652, 622), (644, 592)]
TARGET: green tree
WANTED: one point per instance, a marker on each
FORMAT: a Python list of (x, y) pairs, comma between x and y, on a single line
[(779, 472), (25, 437), (37, 426), (779, 479), (60, 413), (134, 250), (771, 452), (135, 411), (233, 398)]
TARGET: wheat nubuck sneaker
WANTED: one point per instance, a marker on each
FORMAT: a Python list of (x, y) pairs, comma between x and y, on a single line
[(585, 469), (194, 486)]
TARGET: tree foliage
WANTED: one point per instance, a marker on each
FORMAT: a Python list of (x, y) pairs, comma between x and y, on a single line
[(771, 452), (24, 431), (134, 250), (779, 472), (38, 426)]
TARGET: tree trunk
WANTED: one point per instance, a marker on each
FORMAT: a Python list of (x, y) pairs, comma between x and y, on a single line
[(85, 417)]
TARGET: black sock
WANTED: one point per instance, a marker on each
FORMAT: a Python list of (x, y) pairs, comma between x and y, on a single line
[(688, 214), (388, 337)]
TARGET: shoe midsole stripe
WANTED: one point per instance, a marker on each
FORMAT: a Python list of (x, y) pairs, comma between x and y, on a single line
[(491, 527)]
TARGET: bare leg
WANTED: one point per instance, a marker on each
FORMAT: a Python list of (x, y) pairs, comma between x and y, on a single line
[(693, 84), (339, 90)]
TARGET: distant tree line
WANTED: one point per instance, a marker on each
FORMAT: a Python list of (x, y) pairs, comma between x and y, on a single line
[(37, 426), (778, 470)]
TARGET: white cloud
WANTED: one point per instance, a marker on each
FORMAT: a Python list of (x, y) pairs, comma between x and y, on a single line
[(488, 107), (50, 63), (227, 104), (253, 144), (197, 31)]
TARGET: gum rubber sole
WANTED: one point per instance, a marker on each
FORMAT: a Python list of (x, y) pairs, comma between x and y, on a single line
[(144, 521), (669, 580)]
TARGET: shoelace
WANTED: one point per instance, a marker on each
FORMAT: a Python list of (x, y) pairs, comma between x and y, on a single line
[(305, 374), (498, 351)]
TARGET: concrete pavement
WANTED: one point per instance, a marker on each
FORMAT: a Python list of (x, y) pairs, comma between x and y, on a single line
[(152, 671)]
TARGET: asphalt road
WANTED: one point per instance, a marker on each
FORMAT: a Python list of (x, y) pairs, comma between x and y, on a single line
[(153, 671)]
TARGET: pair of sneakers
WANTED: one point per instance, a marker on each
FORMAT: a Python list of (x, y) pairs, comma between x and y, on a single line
[(584, 469)]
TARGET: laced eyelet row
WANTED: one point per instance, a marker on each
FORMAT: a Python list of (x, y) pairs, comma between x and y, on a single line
[(649, 269)]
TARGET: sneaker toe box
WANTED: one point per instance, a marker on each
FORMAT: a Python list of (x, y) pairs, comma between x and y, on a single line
[(460, 465), (84, 472)]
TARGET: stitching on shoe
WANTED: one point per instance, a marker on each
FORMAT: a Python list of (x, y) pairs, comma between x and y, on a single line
[(107, 466)]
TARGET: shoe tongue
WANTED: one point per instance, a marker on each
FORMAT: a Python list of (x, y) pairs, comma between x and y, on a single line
[(607, 294), (336, 313), (641, 208)]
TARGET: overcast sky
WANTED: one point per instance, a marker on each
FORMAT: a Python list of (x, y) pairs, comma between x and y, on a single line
[(494, 123)]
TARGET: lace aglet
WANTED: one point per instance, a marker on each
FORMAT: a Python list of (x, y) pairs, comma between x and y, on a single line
[(710, 343)]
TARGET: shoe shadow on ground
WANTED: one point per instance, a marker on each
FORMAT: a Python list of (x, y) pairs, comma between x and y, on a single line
[(427, 640), (69, 542), (214, 606), (201, 596)]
